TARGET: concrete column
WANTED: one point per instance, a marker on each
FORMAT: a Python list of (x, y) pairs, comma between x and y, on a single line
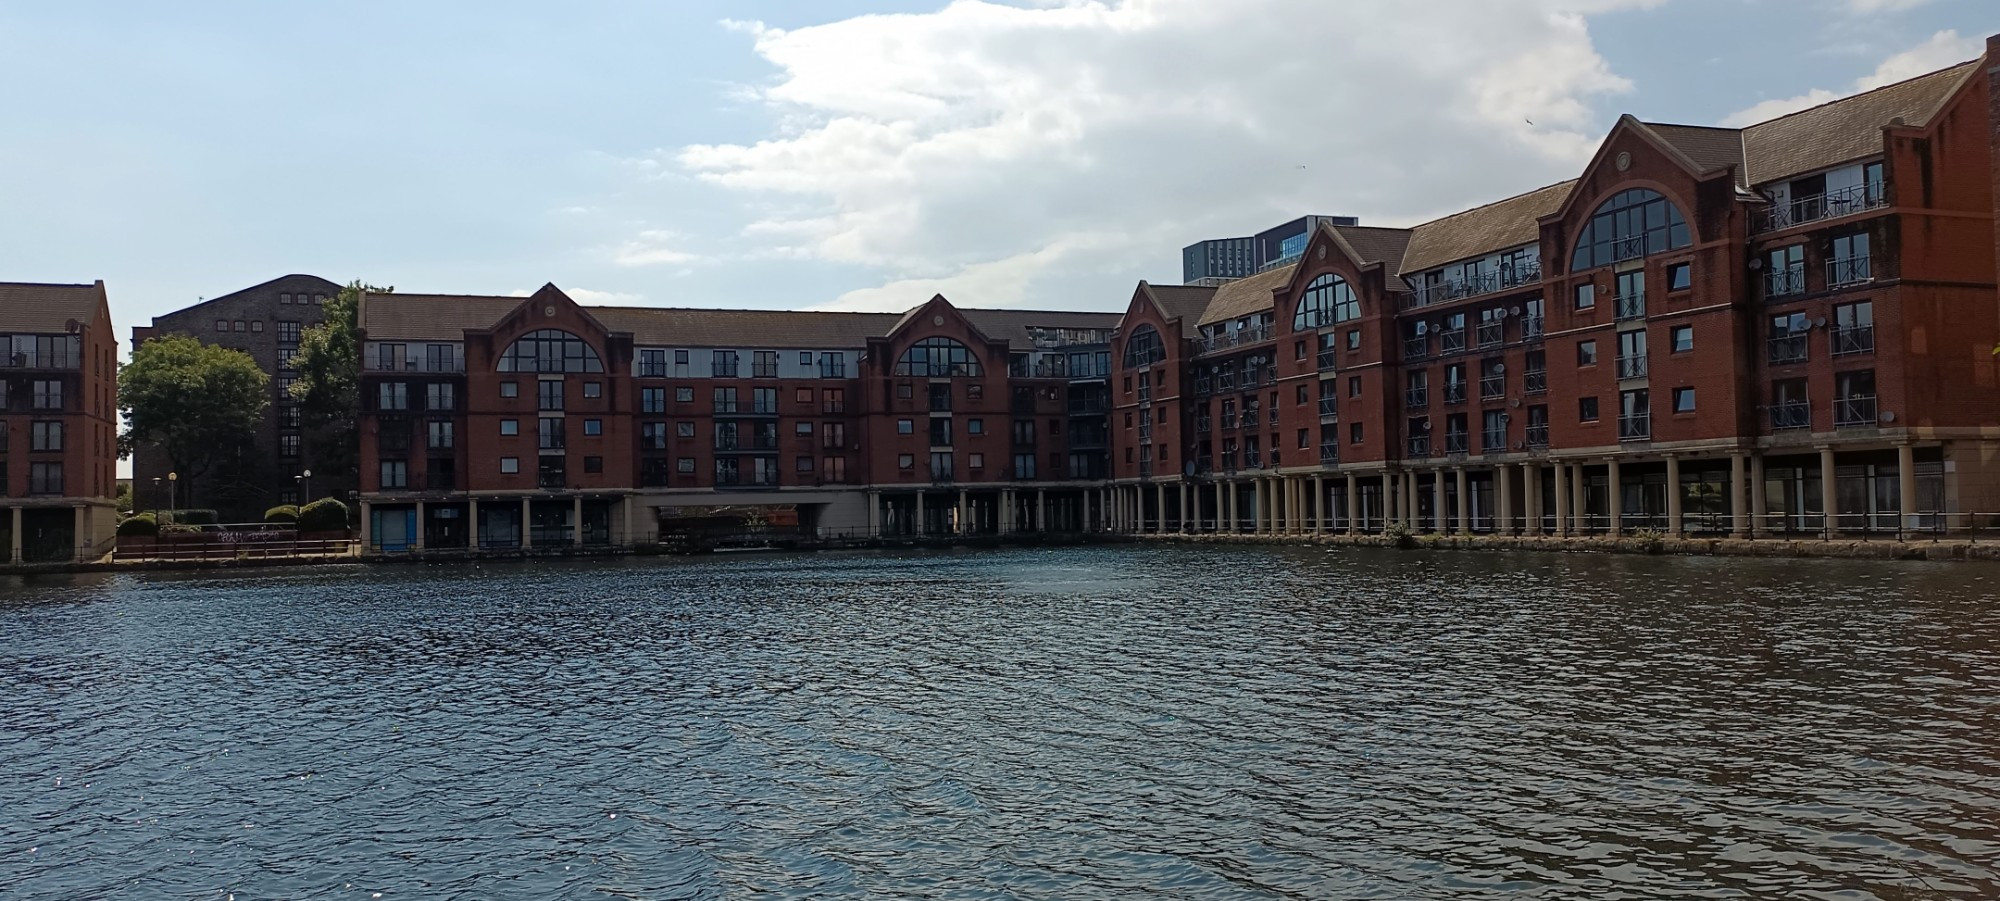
[(1160, 508), (874, 514), (1531, 498), (1615, 506), (1041, 510), (1906, 475), (14, 537), (527, 535), (964, 512), (1675, 525), (1320, 503), (625, 514), (1189, 499), (367, 528), (1503, 498), (417, 540), (472, 524), (1464, 503), (1388, 497), (1829, 494), (576, 521), (1411, 515), (1562, 500), (1004, 519), (1440, 511), (1353, 505), (1739, 505), (79, 533), (1760, 524), (1257, 506)]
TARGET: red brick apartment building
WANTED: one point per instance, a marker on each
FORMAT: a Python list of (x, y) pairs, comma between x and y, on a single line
[(58, 415), (508, 422), (1785, 328)]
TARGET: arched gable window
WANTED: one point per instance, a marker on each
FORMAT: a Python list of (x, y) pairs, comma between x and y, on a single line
[(550, 350), (1144, 348), (1632, 224), (938, 358), (1329, 299)]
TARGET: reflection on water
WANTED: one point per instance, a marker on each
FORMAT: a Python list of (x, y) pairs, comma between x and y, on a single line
[(1187, 722)]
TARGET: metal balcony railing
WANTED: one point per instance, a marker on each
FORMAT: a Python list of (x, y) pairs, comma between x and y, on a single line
[(1202, 426), (1491, 334), (1454, 392), (1329, 454), (829, 369), (1416, 348), (1493, 442), (1853, 339), (33, 360), (1848, 271), (1531, 327), (1631, 248), (1416, 398), (1325, 360), (1492, 386), (1535, 381), (1815, 207), (413, 364), (1451, 341), (1250, 418), (1240, 337), (1537, 436), (1455, 443), (727, 444), (1790, 415), (1631, 367), (1329, 407), (1203, 386), (1635, 427), (1786, 349), (1419, 446), (1857, 411), (1630, 306), (1484, 283), (1785, 282)]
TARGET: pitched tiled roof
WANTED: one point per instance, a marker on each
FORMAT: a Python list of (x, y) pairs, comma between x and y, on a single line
[(29, 307), (1245, 296), (1846, 129), (1377, 245), (445, 317), (1481, 230), (1710, 149), (1182, 301)]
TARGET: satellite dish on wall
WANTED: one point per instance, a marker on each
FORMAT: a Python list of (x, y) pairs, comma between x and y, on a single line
[(1888, 417), (73, 326)]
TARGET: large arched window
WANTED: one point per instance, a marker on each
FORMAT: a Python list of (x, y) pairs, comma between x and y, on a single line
[(550, 350), (1327, 300), (1633, 224), (1144, 348), (938, 358)]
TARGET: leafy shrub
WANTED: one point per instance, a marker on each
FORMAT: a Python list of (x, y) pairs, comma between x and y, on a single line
[(1652, 541), (286, 513), (195, 517), (142, 525), (1400, 535), (323, 515), (175, 528)]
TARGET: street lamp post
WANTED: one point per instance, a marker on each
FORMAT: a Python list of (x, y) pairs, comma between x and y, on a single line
[(304, 478), (173, 483), (156, 493)]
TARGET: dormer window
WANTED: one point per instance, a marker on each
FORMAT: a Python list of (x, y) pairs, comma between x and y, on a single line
[(1631, 225)]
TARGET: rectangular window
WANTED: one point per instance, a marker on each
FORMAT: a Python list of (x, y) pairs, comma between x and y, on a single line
[(833, 365), (906, 462), (804, 464), (438, 434), (906, 427), (593, 464), (764, 401), (442, 397), (1854, 328), (46, 436), (803, 397), (683, 394), (653, 436), (551, 434), (1354, 433), (510, 427), (1353, 386), (510, 389), (1586, 409), (288, 445), (593, 427), (395, 474), (684, 429), (549, 394), (722, 364), (905, 391), (652, 364), (652, 400), (1684, 400), (1586, 353), (833, 435), (1683, 338), (941, 432), (977, 462), (833, 400), (1632, 355), (1680, 276), (392, 396), (975, 426), (802, 429), (593, 389), (1586, 296), (684, 465), (724, 400), (833, 469), (45, 478)]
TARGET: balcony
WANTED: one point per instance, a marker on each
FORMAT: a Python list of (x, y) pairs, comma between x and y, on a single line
[(1452, 341), (1329, 409), (1416, 348), (1785, 282), (1419, 447), (440, 481), (1492, 387), (1455, 443), (1538, 436), (1815, 207), (1630, 306), (1239, 338), (652, 370), (1784, 350), (723, 443), (1535, 381), (1493, 442), (722, 370), (764, 408), (1854, 412), (1454, 392), (1853, 339), (1250, 418), (1486, 283), (1325, 360), (1417, 398), (1635, 427), (1253, 460), (1531, 327), (1846, 271), (829, 369), (1202, 426), (411, 364), (763, 370), (1274, 415), (1329, 454), (1491, 334), (1203, 386), (1791, 415), (1631, 367), (551, 479), (940, 473), (33, 360)]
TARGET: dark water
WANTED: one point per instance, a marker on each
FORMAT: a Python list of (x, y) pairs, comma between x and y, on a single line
[(1143, 722)]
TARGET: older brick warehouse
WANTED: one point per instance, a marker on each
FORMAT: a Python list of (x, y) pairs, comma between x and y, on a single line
[(264, 321), (1780, 329), (58, 422)]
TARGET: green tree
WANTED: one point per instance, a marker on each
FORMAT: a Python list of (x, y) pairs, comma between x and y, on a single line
[(198, 402), (328, 387)]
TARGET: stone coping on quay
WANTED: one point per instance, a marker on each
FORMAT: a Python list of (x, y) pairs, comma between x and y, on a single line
[(1852, 549)]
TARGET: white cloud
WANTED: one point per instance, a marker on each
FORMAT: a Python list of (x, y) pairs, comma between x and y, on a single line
[(1871, 7), (1936, 52), (993, 152), (653, 247)]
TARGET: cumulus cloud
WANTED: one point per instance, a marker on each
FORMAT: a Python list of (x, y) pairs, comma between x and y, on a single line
[(1942, 49), (1003, 153), (654, 247), (1871, 7)]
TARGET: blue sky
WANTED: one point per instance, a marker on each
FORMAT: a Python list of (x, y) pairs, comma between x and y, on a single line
[(836, 153)]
